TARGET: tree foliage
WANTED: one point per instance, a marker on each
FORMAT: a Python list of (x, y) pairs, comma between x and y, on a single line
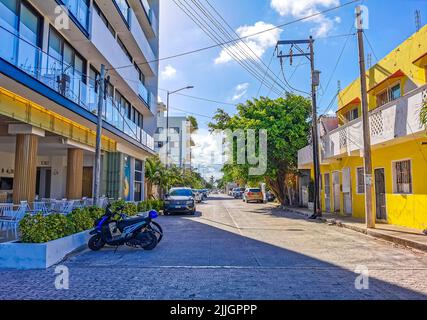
[(423, 114), (156, 174), (193, 122), (286, 121)]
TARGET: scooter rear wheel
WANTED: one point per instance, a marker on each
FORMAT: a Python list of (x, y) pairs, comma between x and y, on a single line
[(96, 243), (153, 243), (158, 230)]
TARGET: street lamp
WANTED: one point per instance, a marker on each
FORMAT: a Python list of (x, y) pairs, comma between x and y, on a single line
[(167, 120)]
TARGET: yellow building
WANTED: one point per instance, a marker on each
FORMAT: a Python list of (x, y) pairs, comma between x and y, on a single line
[(397, 89)]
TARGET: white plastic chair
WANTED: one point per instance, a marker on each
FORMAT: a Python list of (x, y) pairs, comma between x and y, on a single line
[(10, 219), (5, 207), (41, 207), (68, 207)]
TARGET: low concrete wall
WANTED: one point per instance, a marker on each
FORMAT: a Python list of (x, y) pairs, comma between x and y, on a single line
[(16, 255)]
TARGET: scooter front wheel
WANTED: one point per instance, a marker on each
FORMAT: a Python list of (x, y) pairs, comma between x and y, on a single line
[(96, 243)]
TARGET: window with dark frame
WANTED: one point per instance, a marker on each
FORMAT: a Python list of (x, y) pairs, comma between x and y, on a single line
[(23, 39), (124, 8), (139, 177), (360, 172), (388, 95), (125, 50), (352, 114), (402, 177), (104, 19)]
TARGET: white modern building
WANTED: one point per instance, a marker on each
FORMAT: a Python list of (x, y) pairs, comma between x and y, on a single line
[(180, 142), (50, 58)]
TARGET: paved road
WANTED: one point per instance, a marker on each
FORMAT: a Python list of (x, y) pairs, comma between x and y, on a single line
[(232, 250)]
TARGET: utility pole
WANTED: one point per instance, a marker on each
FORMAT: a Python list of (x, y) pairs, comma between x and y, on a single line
[(370, 218), (97, 182), (315, 81)]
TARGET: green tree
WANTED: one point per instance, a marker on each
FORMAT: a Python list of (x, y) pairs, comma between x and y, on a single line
[(286, 121), (193, 122)]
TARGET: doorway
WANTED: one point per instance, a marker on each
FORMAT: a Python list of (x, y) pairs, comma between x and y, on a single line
[(43, 182), (87, 182), (337, 191), (380, 195), (327, 192), (346, 190)]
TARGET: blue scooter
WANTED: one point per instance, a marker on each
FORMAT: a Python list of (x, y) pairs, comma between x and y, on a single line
[(140, 231)]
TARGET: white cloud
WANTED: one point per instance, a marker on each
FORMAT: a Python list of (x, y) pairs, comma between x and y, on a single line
[(207, 154), (302, 8), (258, 43), (240, 91), (168, 72)]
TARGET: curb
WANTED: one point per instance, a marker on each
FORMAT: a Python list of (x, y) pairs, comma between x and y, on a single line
[(370, 232)]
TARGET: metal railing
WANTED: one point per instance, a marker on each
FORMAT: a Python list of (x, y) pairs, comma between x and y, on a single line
[(68, 82)]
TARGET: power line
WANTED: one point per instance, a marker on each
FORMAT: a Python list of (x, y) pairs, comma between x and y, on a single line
[(242, 38), (236, 51), (202, 99), (337, 62), (192, 113), (286, 81), (260, 61), (269, 64), (370, 45), (216, 38)]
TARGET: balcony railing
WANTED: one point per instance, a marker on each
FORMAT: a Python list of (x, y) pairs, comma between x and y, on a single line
[(150, 14), (391, 121), (80, 10), (394, 120), (66, 81), (305, 156), (123, 7)]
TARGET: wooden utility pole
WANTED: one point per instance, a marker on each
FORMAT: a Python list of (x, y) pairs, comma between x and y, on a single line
[(97, 182), (370, 218), (315, 81)]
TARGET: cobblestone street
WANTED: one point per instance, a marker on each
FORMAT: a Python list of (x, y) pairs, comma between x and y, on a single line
[(234, 250)]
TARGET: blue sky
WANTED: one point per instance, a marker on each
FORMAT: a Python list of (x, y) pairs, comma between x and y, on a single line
[(390, 23)]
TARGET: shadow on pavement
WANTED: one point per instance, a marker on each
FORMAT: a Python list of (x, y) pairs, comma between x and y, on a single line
[(200, 261)]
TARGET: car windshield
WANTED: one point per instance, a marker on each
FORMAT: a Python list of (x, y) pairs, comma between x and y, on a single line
[(181, 193)]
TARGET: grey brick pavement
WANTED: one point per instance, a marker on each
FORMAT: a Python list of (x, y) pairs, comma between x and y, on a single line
[(233, 250)]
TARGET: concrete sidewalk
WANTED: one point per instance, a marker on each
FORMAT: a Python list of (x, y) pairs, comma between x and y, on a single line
[(408, 237)]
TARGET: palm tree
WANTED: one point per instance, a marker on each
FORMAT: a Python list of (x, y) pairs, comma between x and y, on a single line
[(153, 174), (194, 126), (423, 114)]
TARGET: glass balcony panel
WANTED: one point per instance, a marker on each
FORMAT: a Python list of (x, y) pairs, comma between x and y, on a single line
[(80, 10), (68, 82), (28, 58)]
